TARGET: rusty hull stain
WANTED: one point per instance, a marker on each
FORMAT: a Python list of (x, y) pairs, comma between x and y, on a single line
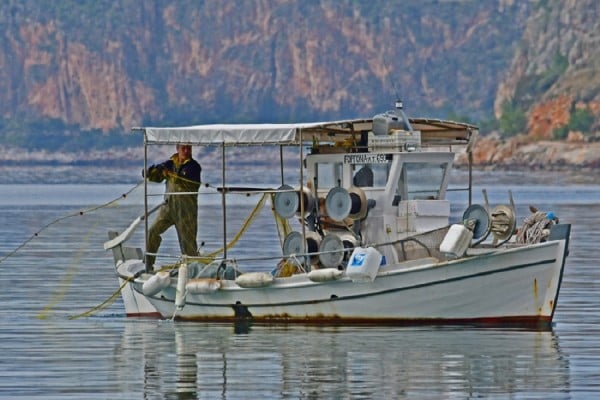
[(537, 323)]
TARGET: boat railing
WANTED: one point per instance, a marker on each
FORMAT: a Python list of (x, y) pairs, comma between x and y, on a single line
[(420, 246)]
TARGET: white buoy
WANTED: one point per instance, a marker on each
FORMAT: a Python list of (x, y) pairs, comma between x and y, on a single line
[(181, 283)]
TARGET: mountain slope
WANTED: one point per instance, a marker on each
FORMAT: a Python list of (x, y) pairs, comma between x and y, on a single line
[(78, 73), (115, 64)]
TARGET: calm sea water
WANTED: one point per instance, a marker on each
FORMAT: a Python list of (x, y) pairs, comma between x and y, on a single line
[(48, 352)]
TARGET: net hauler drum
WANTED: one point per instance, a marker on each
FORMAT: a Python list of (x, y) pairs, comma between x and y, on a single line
[(292, 246), (287, 202), (335, 248)]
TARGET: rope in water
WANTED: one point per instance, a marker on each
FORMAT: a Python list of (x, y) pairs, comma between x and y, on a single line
[(111, 299)]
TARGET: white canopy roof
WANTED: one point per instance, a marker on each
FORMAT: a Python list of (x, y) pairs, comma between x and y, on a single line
[(433, 132), (232, 134)]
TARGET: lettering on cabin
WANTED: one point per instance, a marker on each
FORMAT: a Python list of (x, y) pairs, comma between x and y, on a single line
[(365, 159)]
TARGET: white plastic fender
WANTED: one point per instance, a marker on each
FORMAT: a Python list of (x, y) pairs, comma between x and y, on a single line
[(254, 279), (156, 283), (181, 283), (203, 285), (325, 274)]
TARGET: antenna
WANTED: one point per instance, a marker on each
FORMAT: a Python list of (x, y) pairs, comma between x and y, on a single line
[(393, 83)]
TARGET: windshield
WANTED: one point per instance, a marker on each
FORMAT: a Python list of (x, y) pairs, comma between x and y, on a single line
[(421, 180), (329, 175)]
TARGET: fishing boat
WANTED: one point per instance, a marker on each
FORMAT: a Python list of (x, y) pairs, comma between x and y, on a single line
[(365, 235)]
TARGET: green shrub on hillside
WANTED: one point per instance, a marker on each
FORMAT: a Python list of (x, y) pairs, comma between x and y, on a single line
[(513, 120), (560, 133), (581, 120)]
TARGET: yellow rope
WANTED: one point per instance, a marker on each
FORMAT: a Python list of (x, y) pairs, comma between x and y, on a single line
[(247, 222), (204, 259), (282, 227), (104, 304)]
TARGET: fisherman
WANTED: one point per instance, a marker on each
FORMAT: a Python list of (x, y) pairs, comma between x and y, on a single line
[(182, 174)]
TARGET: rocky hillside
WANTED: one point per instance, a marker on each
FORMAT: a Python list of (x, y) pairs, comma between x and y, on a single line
[(79, 73), (555, 72), (108, 65)]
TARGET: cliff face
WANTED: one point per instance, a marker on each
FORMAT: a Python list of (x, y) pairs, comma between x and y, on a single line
[(556, 69), (70, 66), (117, 64)]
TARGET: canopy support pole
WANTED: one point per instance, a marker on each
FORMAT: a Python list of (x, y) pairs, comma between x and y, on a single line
[(148, 267), (223, 202)]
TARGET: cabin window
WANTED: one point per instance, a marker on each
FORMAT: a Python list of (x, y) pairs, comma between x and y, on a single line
[(370, 175), (421, 181), (329, 175)]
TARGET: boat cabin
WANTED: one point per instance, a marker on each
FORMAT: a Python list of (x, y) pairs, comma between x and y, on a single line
[(404, 185)]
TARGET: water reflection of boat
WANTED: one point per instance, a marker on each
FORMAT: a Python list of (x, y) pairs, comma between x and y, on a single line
[(375, 244), (210, 361)]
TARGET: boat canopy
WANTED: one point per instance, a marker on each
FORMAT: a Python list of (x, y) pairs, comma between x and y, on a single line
[(433, 132)]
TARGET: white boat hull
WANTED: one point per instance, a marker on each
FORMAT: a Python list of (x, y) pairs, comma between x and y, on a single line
[(136, 304), (518, 285)]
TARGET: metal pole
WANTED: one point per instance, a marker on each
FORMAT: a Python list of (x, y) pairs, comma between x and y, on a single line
[(470, 176), (281, 162), (301, 194), (223, 203), (146, 198)]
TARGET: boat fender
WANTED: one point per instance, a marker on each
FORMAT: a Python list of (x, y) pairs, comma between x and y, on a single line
[(181, 283), (156, 283), (325, 274), (202, 286), (254, 279)]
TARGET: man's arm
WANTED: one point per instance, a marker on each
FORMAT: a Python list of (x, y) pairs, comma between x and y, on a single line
[(158, 172)]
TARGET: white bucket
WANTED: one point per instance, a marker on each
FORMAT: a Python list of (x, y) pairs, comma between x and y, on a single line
[(363, 264)]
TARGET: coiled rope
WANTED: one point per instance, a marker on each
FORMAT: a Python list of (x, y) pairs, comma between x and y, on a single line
[(535, 229)]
